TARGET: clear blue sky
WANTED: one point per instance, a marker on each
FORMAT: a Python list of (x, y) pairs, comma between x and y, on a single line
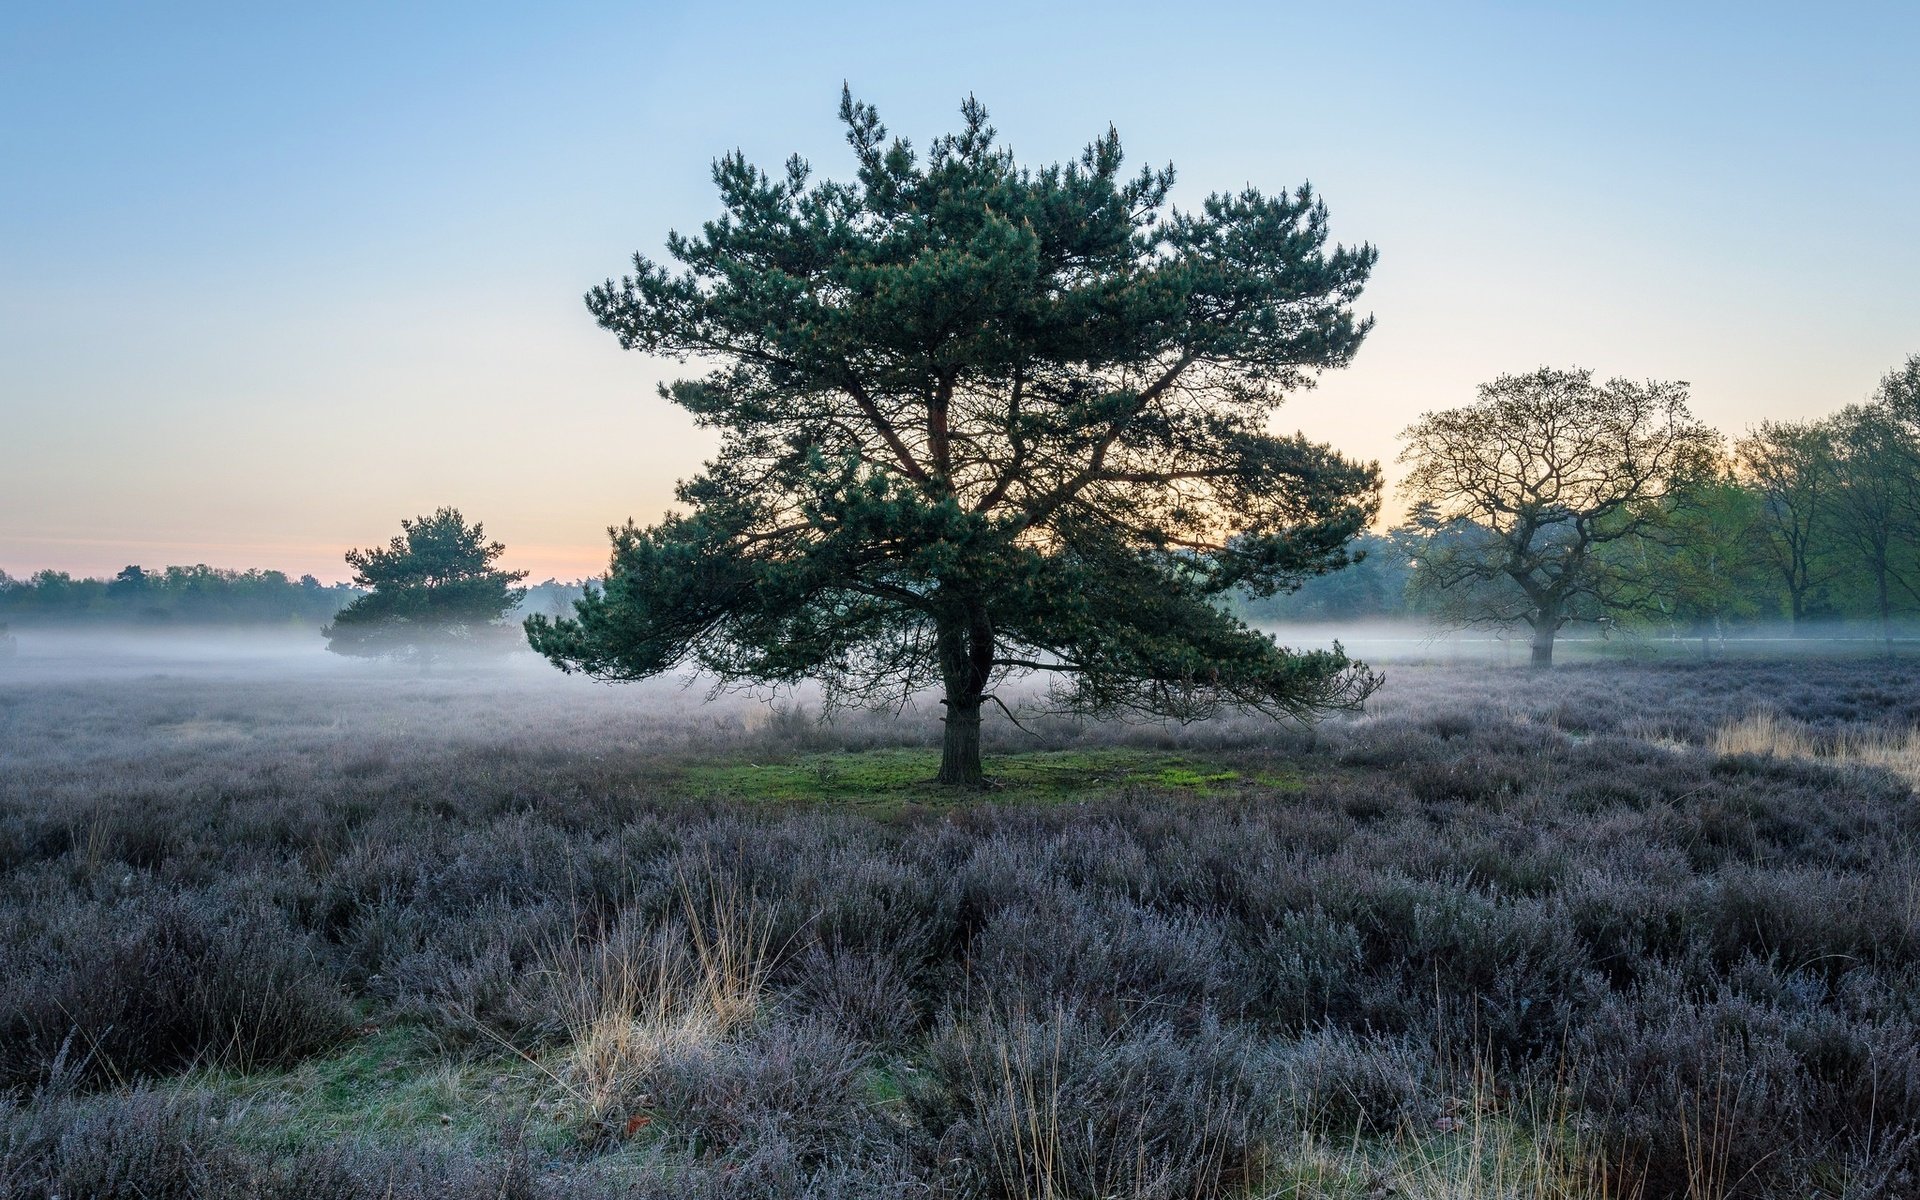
[(272, 277)]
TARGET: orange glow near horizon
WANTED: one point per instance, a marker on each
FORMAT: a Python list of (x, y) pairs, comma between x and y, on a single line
[(102, 558)]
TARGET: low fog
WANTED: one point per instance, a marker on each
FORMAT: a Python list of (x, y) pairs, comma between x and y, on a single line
[(108, 652)]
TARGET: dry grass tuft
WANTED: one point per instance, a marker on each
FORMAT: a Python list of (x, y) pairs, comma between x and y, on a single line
[(1766, 734), (636, 997), (1034, 1155), (1064, 1107), (1483, 1144)]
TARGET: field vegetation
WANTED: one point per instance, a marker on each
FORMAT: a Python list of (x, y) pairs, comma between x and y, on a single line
[(1617, 931)]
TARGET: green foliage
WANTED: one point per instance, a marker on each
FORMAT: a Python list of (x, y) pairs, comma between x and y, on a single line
[(1788, 468), (1899, 392), (1840, 504), (1876, 478), (977, 418), (433, 588), (1697, 563), (1808, 519)]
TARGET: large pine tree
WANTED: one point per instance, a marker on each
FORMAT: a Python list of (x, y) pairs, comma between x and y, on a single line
[(978, 419)]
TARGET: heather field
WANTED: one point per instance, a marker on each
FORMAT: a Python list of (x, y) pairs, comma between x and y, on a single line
[(301, 929)]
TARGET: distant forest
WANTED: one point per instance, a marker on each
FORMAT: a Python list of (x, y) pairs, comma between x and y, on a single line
[(1378, 587), (201, 596)]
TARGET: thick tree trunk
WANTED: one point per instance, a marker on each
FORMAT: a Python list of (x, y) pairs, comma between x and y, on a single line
[(960, 748), (1545, 624), (1886, 612), (966, 663)]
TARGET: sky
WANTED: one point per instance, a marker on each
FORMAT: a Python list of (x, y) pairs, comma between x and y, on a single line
[(273, 277)]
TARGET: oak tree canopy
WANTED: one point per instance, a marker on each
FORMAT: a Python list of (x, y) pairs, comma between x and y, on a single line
[(1525, 492)]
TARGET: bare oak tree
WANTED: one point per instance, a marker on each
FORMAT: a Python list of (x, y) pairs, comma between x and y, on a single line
[(1527, 487)]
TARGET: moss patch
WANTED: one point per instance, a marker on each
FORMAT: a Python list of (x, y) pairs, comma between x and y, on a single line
[(388, 1085), (896, 778)]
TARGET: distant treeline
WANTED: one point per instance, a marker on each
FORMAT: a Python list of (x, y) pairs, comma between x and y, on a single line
[(553, 598), (200, 595), (195, 595), (1801, 522), (1378, 586)]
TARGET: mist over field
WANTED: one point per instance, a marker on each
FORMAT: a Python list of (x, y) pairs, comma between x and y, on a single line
[(47, 650)]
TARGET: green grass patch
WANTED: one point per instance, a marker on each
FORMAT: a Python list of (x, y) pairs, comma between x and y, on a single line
[(1182, 775), (394, 1084), (888, 779)]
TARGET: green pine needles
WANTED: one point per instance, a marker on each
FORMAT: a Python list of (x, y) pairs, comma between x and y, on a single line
[(434, 590), (980, 419)]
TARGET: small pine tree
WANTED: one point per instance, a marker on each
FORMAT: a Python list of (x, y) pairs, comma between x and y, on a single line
[(433, 589)]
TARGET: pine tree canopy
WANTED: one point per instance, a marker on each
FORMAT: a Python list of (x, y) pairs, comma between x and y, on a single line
[(978, 418), (433, 587)]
